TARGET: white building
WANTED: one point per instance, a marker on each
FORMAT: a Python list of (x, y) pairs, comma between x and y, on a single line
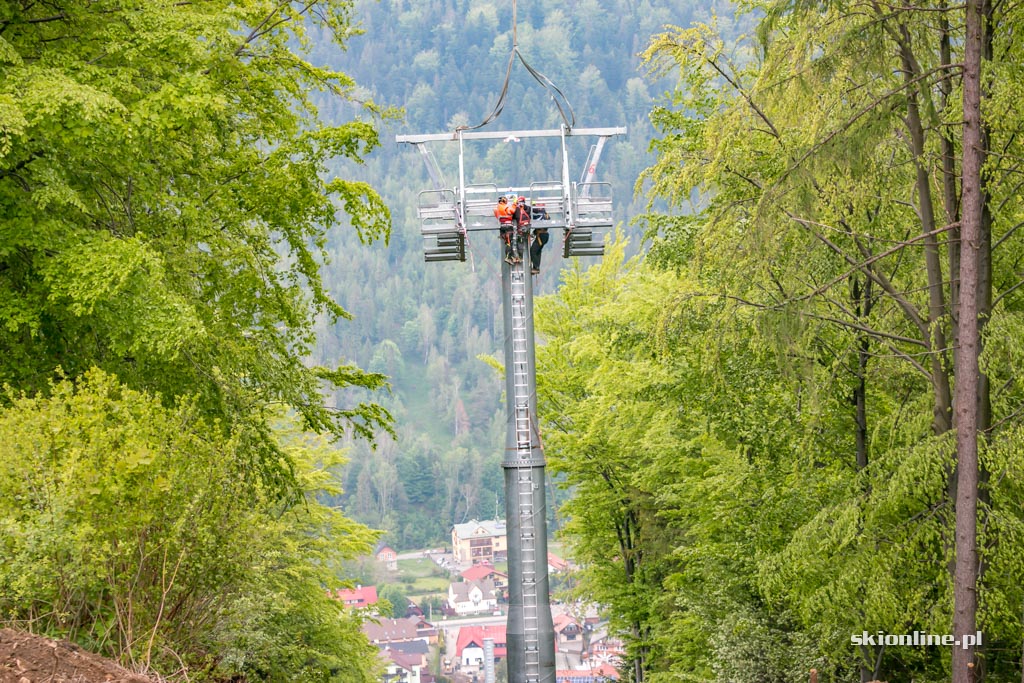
[(472, 597), (401, 667), (475, 541)]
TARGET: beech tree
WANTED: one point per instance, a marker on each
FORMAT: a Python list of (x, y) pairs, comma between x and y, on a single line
[(132, 528), (164, 204), (814, 176), (850, 104)]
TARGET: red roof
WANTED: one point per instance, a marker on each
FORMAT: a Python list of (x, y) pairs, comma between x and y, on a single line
[(557, 563), (604, 672), (480, 571), (360, 596), (563, 621), (474, 636)]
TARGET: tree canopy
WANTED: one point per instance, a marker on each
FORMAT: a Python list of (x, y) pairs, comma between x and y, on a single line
[(167, 186), (759, 419), (165, 203)]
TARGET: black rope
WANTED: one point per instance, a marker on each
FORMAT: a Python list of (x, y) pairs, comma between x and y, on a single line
[(552, 89)]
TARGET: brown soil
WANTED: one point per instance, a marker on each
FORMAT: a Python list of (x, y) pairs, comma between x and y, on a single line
[(28, 658)]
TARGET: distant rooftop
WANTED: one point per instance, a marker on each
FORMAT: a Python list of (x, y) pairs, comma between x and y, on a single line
[(482, 570), (390, 630), (602, 674), (488, 527), (473, 636), (360, 596)]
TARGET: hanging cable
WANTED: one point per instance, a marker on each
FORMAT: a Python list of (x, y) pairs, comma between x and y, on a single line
[(569, 119)]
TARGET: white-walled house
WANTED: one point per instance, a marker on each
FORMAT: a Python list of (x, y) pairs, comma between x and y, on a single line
[(469, 646), (472, 597)]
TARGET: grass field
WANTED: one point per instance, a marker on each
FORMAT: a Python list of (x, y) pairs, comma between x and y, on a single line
[(419, 567), (422, 578)]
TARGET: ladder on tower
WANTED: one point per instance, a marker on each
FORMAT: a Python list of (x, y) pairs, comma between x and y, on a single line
[(526, 487), (520, 361)]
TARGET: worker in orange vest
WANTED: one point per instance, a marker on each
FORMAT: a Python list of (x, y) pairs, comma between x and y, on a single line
[(523, 215), (504, 212)]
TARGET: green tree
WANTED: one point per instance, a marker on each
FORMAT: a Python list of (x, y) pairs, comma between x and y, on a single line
[(826, 166), (397, 597), (164, 205), (130, 527)]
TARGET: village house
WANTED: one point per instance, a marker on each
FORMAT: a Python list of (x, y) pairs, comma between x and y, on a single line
[(469, 646), (472, 597), (398, 632), (567, 630), (475, 541), (424, 629), (387, 556), (403, 668), (606, 646), (556, 564), (603, 650), (383, 631), (410, 647), (360, 596), (486, 570), (601, 674)]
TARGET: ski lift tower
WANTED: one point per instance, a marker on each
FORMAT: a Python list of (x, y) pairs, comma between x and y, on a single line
[(447, 215)]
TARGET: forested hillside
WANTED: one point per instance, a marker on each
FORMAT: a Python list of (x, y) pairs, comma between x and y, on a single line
[(426, 325)]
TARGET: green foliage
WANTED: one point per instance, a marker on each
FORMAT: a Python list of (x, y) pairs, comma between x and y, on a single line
[(167, 188), (397, 598), (716, 508), (164, 206), (132, 528), (756, 422)]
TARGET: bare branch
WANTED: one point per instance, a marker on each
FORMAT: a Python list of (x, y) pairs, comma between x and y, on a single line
[(262, 28)]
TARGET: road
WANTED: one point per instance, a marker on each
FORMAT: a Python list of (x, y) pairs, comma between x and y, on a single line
[(414, 555), (474, 620)]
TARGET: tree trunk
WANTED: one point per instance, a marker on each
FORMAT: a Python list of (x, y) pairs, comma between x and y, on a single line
[(965, 575), (936, 341), (984, 313), (950, 196), (985, 238)]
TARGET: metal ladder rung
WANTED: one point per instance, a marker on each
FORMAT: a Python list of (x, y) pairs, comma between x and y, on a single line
[(519, 360)]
